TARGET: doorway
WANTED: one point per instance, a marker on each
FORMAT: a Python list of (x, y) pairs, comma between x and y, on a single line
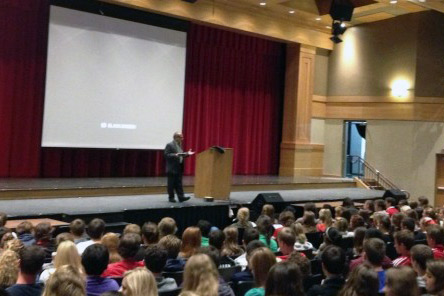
[(354, 141)]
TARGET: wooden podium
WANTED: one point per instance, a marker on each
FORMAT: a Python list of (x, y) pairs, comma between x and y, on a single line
[(213, 174)]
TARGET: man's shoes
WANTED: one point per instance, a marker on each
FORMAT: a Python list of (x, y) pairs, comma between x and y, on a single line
[(185, 198), (171, 200)]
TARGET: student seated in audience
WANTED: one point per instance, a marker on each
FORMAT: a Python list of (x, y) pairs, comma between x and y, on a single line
[(205, 228), (390, 205), (374, 253), (250, 234), (380, 207), (111, 241), (25, 233), (302, 243), (191, 241), (410, 224), (224, 288), (9, 268), (339, 210), (333, 264), (286, 219), (363, 281), (268, 210), (369, 205), (166, 227), (261, 261), (66, 280), (325, 220), (401, 281), (332, 236), (369, 234), (435, 240), (95, 260), (31, 262), (96, 229), (150, 236), (66, 255), (265, 228), (230, 246), (286, 240), (429, 212), (304, 265), (434, 277), (139, 282), (43, 238), (309, 222), (172, 245), (423, 201), (420, 255), (341, 224), (200, 276), (132, 228), (216, 239), (246, 275), (155, 260), (284, 279), (358, 244), (308, 207), (355, 222), (404, 241), (77, 229), (243, 219), (128, 247), (396, 219)]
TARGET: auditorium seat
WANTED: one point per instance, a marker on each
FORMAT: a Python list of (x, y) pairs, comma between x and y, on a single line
[(240, 288), (227, 272), (315, 238), (177, 276), (174, 292)]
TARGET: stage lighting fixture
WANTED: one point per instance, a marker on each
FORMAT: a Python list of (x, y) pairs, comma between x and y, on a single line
[(335, 39), (337, 28)]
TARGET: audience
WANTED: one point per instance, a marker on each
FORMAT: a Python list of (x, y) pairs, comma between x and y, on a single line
[(268, 210), (191, 241), (25, 233), (205, 228), (265, 228), (172, 245), (325, 220), (96, 229), (401, 281), (286, 240), (155, 260), (435, 240), (111, 242), (150, 234), (404, 241), (374, 253), (128, 247), (66, 280), (95, 260), (250, 234), (243, 219), (132, 228), (139, 282), (309, 222), (9, 268), (420, 255), (31, 262), (434, 277), (166, 226), (284, 279), (333, 265), (261, 261), (230, 246), (301, 244), (43, 238), (77, 229), (390, 204), (200, 276), (363, 281), (246, 274)]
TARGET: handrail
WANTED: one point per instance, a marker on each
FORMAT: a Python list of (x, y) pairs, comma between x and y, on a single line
[(367, 171)]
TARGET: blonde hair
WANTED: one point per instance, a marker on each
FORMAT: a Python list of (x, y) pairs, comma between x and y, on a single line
[(325, 217), (111, 242), (66, 280), (132, 228), (9, 268), (139, 282), (299, 231), (67, 254), (201, 276), (243, 216), (14, 245), (268, 210)]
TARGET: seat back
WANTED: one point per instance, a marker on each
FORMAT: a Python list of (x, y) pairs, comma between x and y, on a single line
[(177, 276), (240, 288), (174, 292), (227, 272), (316, 266), (315, 238)]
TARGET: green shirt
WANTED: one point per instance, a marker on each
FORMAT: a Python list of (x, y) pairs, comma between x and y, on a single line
[(255, 292), (273, 246), (204, 242)]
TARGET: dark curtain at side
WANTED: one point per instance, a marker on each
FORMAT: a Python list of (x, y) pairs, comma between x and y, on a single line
[(23, 39), (233, 98)]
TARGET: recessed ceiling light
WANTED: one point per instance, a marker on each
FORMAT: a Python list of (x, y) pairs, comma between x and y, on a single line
[(422, 1), (393, 1), (343, 25), (318, 18), (291, 11), (263, 3), (328, 27)]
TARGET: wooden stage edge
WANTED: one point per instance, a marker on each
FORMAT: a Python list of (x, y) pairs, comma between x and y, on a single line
[(24, 192)]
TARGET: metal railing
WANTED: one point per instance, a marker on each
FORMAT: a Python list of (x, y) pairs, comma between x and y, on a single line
[(358, 167)]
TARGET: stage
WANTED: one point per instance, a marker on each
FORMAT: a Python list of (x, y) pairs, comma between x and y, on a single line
[(131, 207)]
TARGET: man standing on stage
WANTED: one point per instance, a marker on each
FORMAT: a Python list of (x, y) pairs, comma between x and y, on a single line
[(174, 156)]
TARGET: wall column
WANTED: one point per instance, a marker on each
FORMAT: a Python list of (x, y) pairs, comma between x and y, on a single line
[(298, 156)]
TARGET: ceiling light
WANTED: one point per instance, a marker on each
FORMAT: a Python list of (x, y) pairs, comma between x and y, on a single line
[(263, 3), (393, 1), (343, 25), (291, 11), (328, 27), (318, 18), (422, 1)]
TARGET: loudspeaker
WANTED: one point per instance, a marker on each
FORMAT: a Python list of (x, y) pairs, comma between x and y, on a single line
[(395, 193), (261, 199), (341, 10)]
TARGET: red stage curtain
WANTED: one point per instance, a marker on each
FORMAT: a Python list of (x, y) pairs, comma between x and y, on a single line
[(23, 40), (233, 98)]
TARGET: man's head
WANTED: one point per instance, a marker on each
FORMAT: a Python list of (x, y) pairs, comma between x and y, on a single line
[(167, 226), (178, 137), (435, 235), (216, 239), (420, 254), (129, 245), (408, 223), (24, 227), (253, 245), (390, 202), (96, 228), (150, 233), (31, 260), (155, 258), (286, 240), (423, 201), (204, 227), (374, 249), (333, 260), (95, 259), (77, 227), (404, 241), (171, 244), (42, 231), (212, 252), (250, 234)]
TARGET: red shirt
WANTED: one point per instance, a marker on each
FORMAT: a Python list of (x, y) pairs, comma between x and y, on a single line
[(386, 262), (392, 210), (438, 252), (321, 227), (119, 268), (402, 261)]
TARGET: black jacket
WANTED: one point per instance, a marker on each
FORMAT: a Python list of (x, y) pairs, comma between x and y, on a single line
[(330, 287), (173, 164)]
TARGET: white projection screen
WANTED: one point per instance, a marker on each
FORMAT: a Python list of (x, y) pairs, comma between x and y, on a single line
[(112, 83)]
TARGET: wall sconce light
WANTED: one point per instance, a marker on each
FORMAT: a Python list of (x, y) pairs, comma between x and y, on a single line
[(400, 88)]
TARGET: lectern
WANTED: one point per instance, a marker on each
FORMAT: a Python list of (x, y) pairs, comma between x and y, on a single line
[(213, 173)]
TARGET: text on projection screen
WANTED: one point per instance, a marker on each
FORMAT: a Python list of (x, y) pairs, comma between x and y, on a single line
[(112, 83)]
